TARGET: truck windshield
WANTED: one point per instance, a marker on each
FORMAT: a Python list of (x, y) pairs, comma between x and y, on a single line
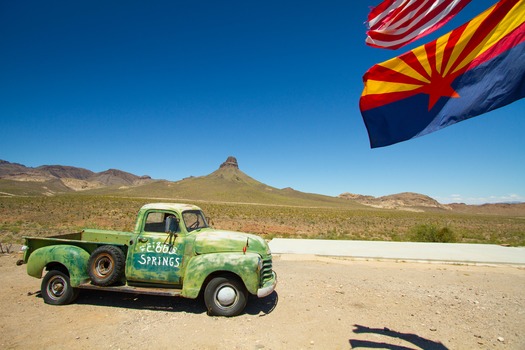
[(194, 219)]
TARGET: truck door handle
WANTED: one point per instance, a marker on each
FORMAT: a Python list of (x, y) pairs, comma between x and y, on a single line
[(143, 240)]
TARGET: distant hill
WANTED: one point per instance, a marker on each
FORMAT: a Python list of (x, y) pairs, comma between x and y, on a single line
[(63, 172), (7, 168), (17, 179), (226, 184), (404, 201), (514, 209)]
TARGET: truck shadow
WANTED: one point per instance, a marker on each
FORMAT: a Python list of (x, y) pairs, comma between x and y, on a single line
[(140, 301), (263, 306), (255, 306), (420, 342)]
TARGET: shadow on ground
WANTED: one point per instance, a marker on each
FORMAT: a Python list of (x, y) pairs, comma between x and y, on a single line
[(263, 306), (255, 305), (422, 343)]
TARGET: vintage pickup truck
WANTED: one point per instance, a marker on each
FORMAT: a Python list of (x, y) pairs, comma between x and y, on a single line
[(172, 252)]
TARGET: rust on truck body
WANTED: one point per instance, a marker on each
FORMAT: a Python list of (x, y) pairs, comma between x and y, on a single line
[(172, 251)]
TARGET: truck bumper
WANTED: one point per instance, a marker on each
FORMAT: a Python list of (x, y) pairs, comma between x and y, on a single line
[(268, 287)]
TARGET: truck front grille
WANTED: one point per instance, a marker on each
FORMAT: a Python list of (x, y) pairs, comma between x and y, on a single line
[(266, 272)]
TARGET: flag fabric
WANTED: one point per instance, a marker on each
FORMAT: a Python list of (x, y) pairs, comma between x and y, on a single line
[(395, 23), (472, 70)]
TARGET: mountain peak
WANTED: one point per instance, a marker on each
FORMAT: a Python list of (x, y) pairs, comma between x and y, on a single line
[(231, 162)]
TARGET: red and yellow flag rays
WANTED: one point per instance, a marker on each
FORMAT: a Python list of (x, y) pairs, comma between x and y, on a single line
[(431, 69)]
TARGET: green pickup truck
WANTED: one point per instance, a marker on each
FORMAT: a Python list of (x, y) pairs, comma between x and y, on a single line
[(172, 252)]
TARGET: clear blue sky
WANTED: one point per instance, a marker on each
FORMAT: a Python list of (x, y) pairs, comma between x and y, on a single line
[(172, 88)]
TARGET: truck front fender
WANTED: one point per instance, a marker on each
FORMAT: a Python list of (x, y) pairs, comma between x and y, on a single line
[(74, 259), (201, 266)]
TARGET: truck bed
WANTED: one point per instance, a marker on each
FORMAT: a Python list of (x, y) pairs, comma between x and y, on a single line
[(89, 238)]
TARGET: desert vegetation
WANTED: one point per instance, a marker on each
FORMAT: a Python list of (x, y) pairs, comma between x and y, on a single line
[(46, 216)]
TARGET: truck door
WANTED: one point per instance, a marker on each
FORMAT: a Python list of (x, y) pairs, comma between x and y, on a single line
[(156, 256)]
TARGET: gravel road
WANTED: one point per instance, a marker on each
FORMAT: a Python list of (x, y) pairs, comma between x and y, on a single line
[(319, 303)]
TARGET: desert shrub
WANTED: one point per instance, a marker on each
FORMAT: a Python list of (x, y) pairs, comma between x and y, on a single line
[(5, 248), (431, 233)]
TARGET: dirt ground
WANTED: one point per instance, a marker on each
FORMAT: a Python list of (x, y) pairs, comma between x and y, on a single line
[(319, 303)]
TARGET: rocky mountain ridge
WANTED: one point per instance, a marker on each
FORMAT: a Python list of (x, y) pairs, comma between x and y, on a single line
[(404, 200), (74, 178), (227, 183)]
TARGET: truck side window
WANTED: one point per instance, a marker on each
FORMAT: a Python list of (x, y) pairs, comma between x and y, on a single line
[(155, 222)]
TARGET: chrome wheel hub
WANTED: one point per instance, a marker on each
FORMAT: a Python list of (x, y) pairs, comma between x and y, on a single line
[(226, 296)]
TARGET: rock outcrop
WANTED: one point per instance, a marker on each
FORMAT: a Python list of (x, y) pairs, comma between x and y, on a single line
[(231, 162)]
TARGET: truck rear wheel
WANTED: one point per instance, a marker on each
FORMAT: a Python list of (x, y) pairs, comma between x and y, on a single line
[(225, 296), (106, 265), (56, 289)]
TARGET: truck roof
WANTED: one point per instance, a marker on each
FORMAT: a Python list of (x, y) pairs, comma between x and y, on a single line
[(170, 206)]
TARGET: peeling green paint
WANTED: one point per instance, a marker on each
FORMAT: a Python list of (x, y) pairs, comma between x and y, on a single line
[(73, 258), (182, 259), (201, 266), (215, 241), (154, 258)]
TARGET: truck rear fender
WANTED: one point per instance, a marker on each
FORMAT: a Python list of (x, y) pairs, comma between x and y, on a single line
[(200, 267), (73, 258)]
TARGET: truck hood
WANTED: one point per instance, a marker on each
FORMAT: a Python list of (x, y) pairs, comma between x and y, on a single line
[(214, 241)]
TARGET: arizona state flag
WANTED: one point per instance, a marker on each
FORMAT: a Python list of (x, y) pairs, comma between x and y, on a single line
[(472, 70)]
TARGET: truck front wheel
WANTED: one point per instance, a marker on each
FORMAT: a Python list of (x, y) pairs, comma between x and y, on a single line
[(225, 296), (56, 289)]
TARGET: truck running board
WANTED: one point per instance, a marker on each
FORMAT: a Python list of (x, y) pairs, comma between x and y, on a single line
[(134, 290)]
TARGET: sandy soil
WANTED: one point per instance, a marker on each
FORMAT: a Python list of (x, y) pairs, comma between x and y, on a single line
[(319, 303)]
